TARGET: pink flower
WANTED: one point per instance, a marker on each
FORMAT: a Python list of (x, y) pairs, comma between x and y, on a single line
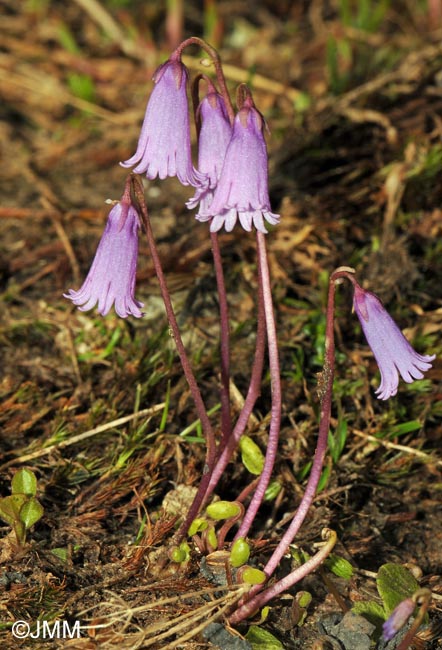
[(213, 140), (392, 351), (111, 278), (164, 144), (242, 190)]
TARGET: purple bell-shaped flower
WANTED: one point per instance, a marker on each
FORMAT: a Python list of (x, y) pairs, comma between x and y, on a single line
[(392, 351), (242, 189), (214, 137), (164, 144), (111, 278)]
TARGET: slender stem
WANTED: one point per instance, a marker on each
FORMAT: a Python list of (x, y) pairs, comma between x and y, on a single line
[(288, 581), (194, 40), (226, 419), (249, 402), (275, 379), (325, 389), (190, 377)]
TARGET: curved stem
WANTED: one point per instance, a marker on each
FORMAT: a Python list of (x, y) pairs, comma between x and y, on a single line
[(228, 524), (194, 40), (275, 379), (288, 581)]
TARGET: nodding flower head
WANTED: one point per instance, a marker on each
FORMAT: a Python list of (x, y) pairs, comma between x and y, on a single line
[(242, 189), (111, 278), (392, 351), (164, 144), (214, 137)]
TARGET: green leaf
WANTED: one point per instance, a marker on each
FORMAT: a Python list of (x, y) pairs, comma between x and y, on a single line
[(272, 491), (24, 482), (10, 508), (61, 553), (405, 427), (395, 583), (325, 475), (372, 611), (251, 455), (31, 512), (336, 440), (260, 639)]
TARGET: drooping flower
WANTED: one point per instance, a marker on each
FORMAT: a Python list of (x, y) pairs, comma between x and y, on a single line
[(164, 144), (111, 278), (398, 618), (242, 190), (213, 140), (392, 351)]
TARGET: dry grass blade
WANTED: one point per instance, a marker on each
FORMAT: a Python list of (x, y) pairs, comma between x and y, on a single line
[(186, 625), (407, 450), (84, 436)]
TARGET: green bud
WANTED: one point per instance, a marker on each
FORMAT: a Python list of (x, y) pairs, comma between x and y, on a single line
[(251, 455), (339, 566), (304, 598), (240, 552), (180, 553), (223, 510), (261, 639), (252, 576), (197, 526), (212, 539)]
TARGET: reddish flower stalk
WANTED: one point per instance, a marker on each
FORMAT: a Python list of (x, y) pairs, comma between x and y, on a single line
[(226, 420), (325, 392), (194, 40), (275, 379), (288, 581), (193, 386), (249, 403)]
